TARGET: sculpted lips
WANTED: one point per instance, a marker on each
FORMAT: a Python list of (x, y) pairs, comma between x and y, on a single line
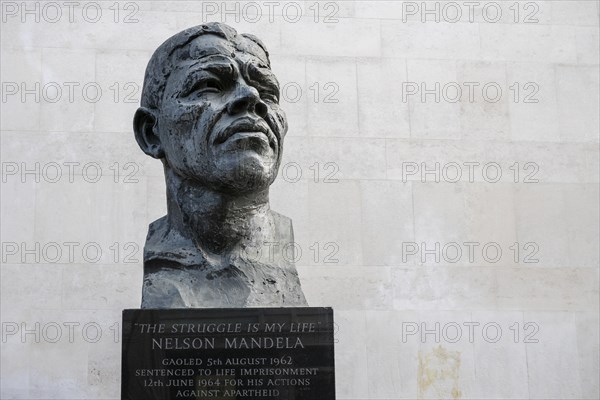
[(248, 128)]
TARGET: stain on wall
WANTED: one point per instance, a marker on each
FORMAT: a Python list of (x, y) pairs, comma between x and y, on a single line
[(438, 374)]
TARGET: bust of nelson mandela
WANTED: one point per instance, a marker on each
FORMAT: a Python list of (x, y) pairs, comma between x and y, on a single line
[(210, 112)]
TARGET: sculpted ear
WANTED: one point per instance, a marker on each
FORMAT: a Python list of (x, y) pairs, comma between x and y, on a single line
[(147, 138)]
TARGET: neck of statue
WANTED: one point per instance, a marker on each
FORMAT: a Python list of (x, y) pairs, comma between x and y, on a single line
[(215, 221)]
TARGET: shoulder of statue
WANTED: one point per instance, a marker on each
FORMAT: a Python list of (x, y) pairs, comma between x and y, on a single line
[(283, 225), (167, 246)]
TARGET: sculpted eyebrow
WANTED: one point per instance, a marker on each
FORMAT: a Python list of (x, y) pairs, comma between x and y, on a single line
[(263, 76), (226, 69), (220, 70)]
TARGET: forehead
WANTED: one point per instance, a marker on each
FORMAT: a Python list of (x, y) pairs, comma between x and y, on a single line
[(206, 51), (204, 46)]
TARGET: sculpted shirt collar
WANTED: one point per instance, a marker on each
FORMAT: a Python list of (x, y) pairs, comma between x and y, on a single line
[(167, 246), (164, 244)]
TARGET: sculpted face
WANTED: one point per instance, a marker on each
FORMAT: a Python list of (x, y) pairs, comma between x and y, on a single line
[(219, 122)]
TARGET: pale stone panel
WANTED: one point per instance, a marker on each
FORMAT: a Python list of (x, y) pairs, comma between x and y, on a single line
[(529, 163), (547, 288), (588, 350), (357, 288), (383, 9), (578, 12), (554, 162), (332, 40), (15, 369), (120, 74), (328, 11), (444, 288), (354, 189), (540, 211), (433, 115), (63, 108), (446, 364), (387, 220), (581, 206), (577, 93), (439, 221), (31, 34), (545, 43), (502, 288), (104, 220), (223, 11), (257, 11), (498, 340), (89, 30), (69, 337), (382, 116), (266, 29), (325, 159), (47, 381), (592, 158), (484, 109), (134, 35), (18, 204), (331, 97), (587, 45), (30, 285), (290, 198), (455, 12), (535, 116), (21, 71), (513, 13), (115, 154), (99, 287), (335, 218), (429, 40), (553, 371), (350, 354), (104, 379), (392, 360), (294, 92), (490, 222)]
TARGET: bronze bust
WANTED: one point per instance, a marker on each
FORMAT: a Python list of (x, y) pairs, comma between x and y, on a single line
[(210, 112)]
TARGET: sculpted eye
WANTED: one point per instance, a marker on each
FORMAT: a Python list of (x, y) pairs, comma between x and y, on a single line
[(269, 95), (206, 85)]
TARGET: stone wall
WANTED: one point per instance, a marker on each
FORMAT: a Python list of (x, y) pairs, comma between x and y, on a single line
[(441, 170)]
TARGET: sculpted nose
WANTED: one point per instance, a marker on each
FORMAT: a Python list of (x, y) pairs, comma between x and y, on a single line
[(246, 98)]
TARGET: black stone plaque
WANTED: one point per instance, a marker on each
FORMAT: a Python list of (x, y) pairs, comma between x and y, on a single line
[(225, 353)]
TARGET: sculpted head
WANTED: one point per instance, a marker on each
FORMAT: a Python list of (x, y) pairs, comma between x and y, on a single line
[(210, 110)]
